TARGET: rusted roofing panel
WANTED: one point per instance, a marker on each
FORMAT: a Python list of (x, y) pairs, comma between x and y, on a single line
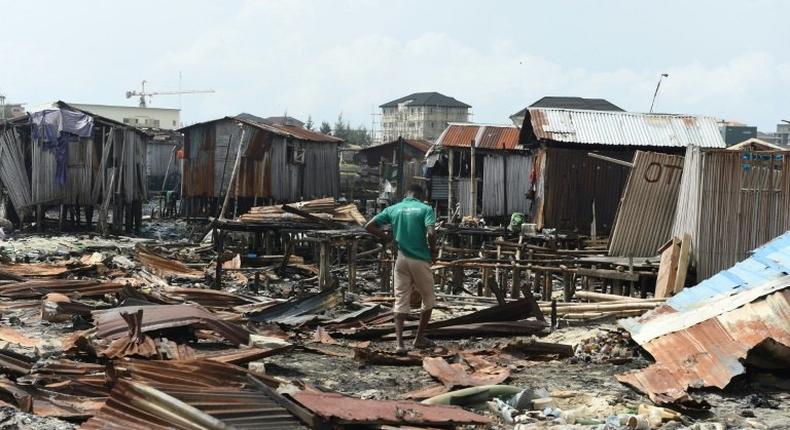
[(485, 136), (291, 131), (129, 407), (623, 128), (111, 325), (701, 335), (342, 409), (711, 353), (85, 288), (419, 144)]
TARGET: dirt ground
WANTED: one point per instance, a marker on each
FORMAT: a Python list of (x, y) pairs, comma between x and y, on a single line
[(585, 380)]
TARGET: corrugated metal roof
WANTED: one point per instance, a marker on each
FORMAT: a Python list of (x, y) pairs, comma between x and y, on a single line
[(622, 128), (291, 131), (419, 144), (700, 336), (485, 136)]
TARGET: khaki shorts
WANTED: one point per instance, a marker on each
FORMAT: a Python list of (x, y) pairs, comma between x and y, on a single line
[(412, 274)]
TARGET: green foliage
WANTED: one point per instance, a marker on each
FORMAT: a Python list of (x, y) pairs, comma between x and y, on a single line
[(352, 135)]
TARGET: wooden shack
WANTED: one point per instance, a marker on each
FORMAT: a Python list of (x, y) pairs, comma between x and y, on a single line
[(487, 153), (44, 164), (577, 187), (277, 163)]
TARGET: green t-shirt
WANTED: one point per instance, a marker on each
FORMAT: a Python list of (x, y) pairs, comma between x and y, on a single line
[(410, 220)]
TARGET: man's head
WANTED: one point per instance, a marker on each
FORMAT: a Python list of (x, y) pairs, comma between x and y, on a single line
[(415, 190)]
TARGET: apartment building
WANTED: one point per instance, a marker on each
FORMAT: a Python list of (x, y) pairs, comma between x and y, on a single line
[(421, 116)]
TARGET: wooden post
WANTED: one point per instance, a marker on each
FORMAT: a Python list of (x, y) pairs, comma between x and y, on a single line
[(568, 286), (164, 182), (547, 287), (352, 265), (457, 279), (62, 217), (516, 287), (487, 282), (233, 174), (450, 166), (473, 180), (617, 287), (323, 265), (219, 236), (40, 217)]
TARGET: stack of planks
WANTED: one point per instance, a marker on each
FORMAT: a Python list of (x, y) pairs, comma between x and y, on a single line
[(325, 208)]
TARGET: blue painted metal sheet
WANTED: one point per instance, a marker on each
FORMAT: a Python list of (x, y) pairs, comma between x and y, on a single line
[(767, 262)]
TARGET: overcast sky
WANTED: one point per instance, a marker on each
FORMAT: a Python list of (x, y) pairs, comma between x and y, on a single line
[(728, 59)]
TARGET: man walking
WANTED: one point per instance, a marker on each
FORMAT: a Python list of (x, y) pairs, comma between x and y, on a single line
[(412, 228)]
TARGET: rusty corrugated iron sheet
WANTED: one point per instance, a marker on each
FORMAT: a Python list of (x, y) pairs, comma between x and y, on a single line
[(291, 131), (335, 407), (485, 136), (229, 393), (620, 128), (239, 408), (700, 336), (40, 288), (731, 202), (111, 325), (647, 208), (590, 181)]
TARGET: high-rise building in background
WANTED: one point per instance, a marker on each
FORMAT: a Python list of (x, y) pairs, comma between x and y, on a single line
[(421, 116)]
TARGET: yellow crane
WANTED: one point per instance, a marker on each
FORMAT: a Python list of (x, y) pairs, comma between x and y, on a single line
[(143, 94)]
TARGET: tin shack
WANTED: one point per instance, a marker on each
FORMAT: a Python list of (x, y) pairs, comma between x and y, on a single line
[(277, 163), (479, 170), (577, 179), (71, 159)]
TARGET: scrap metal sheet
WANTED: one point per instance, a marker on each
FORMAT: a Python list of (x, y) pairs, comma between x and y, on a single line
[(342, 409)]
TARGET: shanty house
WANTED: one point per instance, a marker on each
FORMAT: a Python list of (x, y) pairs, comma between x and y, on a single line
[(63, 156), (481, 169), (377, 167), (579, 191), (277, 163)]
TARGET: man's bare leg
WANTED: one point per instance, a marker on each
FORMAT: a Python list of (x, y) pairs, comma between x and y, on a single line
[(399, 319), (420, 341)]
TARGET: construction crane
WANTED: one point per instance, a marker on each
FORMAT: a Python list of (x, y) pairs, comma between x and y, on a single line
[(142, 94)]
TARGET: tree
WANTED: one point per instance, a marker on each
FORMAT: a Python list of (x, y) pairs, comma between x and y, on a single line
[(309, 124), (354, 136), (325, 128)]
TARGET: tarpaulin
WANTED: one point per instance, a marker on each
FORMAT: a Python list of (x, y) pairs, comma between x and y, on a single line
[(55, 127)]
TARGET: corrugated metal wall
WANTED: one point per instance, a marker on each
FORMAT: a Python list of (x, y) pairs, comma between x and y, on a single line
[(46, 189), (157, 158), (198, 164), (687, 212), (516, 185), (464, 191), (519, 171), (493, 185), (574, 180), (647, 208), (13, 172), (322, 170), (81, 168), (744, 202)]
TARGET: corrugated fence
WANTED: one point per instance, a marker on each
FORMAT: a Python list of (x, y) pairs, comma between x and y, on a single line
[(647, 208)]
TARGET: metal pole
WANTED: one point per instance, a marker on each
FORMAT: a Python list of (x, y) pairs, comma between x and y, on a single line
[(473, 181), (655, 94)]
